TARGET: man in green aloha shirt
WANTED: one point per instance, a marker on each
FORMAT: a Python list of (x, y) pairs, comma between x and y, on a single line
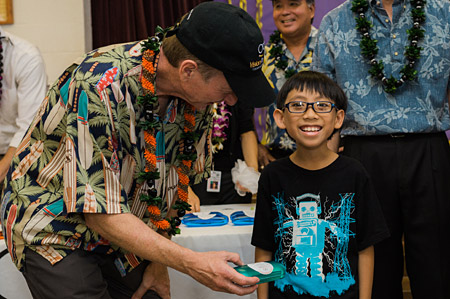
[(103, 166)]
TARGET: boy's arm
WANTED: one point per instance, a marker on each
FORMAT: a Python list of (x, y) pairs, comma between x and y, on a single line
[(365, 270), (262, 255)]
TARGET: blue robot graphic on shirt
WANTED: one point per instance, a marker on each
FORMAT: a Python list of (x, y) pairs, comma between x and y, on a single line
[(308, 235), (309, 229)]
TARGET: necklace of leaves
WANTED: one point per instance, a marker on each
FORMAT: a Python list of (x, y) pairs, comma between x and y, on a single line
[(369, 48), (150, 125), (276, 52)]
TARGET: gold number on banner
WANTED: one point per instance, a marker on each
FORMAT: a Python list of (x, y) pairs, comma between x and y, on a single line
[(259, 13), (243, 4)]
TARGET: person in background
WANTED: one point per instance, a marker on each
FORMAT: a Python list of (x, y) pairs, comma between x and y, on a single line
[(23, 86), (317, 212), (290, 50), (392, 59), (99, 182), (233, 138)]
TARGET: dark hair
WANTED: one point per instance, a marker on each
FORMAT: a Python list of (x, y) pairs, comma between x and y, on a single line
[(316, 82), (309, 2)]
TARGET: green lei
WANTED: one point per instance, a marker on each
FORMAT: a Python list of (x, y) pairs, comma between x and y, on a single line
[(276, 52), (369, 48)]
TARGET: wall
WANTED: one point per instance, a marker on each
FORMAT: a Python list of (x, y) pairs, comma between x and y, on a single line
[(56, 27)]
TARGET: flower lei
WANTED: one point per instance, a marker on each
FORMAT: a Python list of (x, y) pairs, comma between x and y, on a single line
[(221, 120), (369, 47), (150, 125)]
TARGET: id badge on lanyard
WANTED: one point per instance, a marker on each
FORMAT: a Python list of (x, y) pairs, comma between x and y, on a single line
[(213, 183)]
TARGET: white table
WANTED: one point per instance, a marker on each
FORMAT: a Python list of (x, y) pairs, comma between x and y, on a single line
[(228, 237)]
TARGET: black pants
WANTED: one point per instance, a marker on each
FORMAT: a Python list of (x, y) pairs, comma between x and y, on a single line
[(411, 174), (81, 274)]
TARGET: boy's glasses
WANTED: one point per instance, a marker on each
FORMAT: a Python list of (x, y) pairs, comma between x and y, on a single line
[(318, 107)]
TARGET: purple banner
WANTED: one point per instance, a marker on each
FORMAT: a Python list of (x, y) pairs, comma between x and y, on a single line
[(268, 26)]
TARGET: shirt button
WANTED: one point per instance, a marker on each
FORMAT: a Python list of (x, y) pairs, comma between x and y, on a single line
[(387, 20), (394, 36), (396, 53)]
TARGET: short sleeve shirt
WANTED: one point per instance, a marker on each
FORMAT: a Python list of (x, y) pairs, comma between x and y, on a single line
[(83, 153), (418, 106)]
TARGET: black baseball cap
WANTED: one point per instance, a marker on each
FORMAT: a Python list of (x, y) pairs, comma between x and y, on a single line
[(228, 39)]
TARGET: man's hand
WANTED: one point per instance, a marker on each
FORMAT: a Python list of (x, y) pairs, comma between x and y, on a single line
[(156, 278), (242, 190), (208, 268), (264, 157), (212, 270), (193, 200)]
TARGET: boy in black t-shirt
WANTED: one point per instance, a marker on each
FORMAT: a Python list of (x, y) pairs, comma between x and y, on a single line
[(316, 212)]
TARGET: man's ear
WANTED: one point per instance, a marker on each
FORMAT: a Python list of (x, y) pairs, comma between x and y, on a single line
[(278, 116), (340, 115), (187, 69), (313, 10)]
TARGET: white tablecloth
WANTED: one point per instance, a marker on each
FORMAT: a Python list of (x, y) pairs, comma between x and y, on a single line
[(228, 237)]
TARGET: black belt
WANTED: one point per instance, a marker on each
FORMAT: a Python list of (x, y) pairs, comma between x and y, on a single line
[(396, 135)]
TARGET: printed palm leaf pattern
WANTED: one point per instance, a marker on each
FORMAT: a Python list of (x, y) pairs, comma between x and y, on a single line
[(87, 156)]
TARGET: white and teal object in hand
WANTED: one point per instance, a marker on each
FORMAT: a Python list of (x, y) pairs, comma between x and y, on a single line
[(265, 271)]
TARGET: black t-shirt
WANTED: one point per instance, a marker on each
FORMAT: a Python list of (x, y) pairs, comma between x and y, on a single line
[(315, 223)]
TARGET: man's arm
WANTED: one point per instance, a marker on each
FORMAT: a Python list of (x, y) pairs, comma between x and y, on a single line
[(365, 269), (5, 162), (249, 145), (31, 83), (262, 255), (208, 268)]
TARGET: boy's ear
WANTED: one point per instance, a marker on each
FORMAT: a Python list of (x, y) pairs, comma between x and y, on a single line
[(340, 115), (278, 116)]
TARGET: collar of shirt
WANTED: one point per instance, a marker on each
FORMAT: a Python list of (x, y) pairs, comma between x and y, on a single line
[(309, 46)]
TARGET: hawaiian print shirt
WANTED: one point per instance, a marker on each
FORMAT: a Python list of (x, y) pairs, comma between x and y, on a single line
[(83, 153), (417, 106), (273, 136)]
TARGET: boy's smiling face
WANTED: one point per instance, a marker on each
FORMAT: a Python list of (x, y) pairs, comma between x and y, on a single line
[(309, 129)]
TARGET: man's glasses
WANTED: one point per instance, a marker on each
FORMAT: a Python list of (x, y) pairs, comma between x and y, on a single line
[(318, 107)]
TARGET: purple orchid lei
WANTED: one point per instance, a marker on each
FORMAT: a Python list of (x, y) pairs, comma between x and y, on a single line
[(221, 120)]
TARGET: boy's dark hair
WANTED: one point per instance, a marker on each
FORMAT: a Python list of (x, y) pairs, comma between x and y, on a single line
[(316, 82)]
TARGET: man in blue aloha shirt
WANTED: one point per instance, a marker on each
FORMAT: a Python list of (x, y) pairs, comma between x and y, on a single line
[(392, 58)]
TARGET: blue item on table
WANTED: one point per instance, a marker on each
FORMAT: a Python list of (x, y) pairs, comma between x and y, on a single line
[(240, 218), (193, 220)]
